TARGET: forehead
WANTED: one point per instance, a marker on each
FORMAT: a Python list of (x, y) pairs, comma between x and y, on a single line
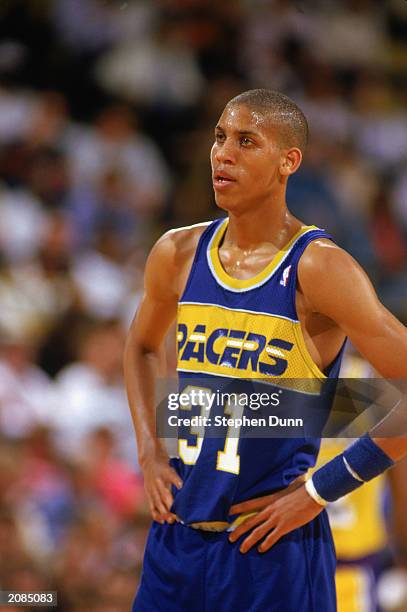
[(243, 119)]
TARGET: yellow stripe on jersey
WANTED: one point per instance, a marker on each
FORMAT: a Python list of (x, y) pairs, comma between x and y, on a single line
[(241, 284), (213, 339)]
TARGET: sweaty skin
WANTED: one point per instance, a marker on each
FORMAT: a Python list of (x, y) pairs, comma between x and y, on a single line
[(250, 169)]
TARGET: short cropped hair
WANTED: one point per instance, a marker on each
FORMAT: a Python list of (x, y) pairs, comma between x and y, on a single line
[(282, 112)]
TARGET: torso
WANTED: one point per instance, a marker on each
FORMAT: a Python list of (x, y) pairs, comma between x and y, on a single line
[(323, 338), (238, 328)]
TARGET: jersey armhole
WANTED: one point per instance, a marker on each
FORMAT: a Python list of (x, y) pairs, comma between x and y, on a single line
[(196, 258), (332, 368), (294, 277)]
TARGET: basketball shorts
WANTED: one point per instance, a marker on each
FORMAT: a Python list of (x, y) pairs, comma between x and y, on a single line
[(188, 570)]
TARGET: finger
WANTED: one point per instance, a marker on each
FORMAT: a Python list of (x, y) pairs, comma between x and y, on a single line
[(256, 535), (156, 516), (158, 504), (167, 500), (151, 507), (165, 495), (247, 524), (271, 539), (174, 478), (171, 518), (252, 505), (261, 502)]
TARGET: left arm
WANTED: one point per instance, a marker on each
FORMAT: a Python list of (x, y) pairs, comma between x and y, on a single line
[(345, 295)]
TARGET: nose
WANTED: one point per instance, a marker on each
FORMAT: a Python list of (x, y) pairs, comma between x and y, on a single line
[(224, 152)]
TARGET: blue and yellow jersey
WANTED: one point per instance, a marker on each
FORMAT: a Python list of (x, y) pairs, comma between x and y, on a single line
[(241, 330)]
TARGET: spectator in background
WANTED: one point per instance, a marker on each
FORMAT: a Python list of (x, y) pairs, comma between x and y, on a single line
[(27, 395), (109, 203), (160, 71), (38, 291), (23, 223), (389, 240), (100, 275), (380, 125), (42, 496), (85, 25), (350, 34), (399, 198), (117, 149), (91, 393), (47, 176), (16, 109), (49, 122), (324, 104), (109, 477)]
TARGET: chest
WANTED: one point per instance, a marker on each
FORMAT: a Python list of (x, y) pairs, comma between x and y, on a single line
[(279, 297), (245, 264)]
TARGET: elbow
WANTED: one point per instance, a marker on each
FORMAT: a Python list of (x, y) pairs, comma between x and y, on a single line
[(135, 350)]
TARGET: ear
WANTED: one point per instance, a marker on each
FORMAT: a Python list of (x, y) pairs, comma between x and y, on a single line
[(290, 161)]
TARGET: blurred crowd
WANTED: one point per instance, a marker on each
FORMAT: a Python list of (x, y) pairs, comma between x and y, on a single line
[(107, 109)]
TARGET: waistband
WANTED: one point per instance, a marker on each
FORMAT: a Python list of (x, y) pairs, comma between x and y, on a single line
[(219, 526)]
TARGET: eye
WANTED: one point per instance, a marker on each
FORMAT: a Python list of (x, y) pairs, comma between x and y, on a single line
[(219, 137), (245, 141)]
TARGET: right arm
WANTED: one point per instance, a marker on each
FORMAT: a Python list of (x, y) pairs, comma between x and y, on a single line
[(141, 364)]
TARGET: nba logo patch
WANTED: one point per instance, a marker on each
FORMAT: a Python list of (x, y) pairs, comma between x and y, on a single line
[(286, 274)]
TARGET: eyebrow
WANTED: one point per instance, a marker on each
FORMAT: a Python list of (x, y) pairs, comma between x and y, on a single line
[(240, 132)]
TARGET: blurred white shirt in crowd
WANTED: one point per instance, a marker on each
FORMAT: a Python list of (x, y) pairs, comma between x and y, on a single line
[(146, 71), (138, 158), (102, 284), (22, 224), (86, 402), (27, 399), (16, 108)]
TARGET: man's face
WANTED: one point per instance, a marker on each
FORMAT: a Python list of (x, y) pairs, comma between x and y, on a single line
[(245, 159)]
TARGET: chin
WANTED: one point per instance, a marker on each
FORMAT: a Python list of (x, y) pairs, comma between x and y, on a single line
[(227, 203), (232, 205)]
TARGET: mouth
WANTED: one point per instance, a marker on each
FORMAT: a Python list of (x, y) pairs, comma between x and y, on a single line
[(221, 180)]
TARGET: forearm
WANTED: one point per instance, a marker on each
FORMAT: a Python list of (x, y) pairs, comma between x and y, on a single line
[(391, 433), (141, 368), (366, 458)]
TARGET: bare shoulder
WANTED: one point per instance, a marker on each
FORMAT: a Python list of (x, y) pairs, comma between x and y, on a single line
[(331, 279), (185, 239), (325, 261), (177, 244), (171, 257)]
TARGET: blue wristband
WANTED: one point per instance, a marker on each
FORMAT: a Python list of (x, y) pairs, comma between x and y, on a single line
[(367, 459), (359, 463), (334, 480)]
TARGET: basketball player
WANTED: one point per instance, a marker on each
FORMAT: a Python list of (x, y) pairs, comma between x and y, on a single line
[(257, 295)]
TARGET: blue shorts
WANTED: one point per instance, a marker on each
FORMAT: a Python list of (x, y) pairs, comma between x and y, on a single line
[(188, 570)]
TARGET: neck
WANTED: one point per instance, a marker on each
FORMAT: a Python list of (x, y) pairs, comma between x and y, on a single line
[(253, 227)]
